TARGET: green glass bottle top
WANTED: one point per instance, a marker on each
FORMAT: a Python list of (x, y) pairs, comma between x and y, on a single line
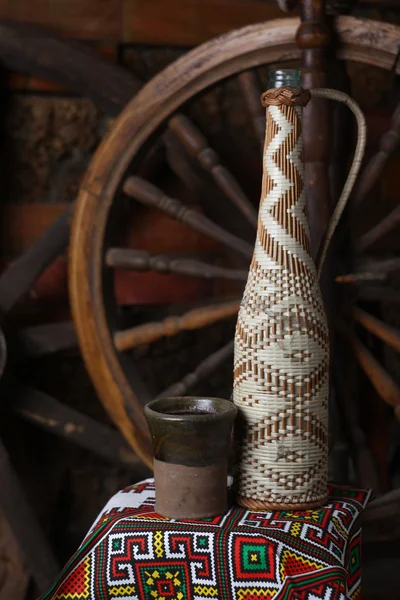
[(284, 78)]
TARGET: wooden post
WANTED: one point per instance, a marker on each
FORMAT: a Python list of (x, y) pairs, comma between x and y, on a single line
[(25, 526), (313, 38)]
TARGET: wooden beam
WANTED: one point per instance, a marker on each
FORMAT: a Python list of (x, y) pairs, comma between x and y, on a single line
[(49, 338), (25, 526), (173, 23), (192, 22), (23, 81), (38, 52), (21, 224), (46, 412), (18, 278), (79, 19)]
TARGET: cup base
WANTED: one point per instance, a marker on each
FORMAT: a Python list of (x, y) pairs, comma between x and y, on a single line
[(183, 492)]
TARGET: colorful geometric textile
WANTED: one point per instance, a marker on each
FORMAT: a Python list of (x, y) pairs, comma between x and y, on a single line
[(132, 553)]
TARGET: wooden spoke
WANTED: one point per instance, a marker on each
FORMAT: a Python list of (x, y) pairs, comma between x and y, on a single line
[(47, 339), (203, 370), (383, 508), (69, 63), (140, 260), (371, 271), (249, 87), (374, 169), (194, 319), (389, 335), (385, 226), (287, 5), (3, 353), (41, 409), (25, 526), (19, 277), (196, 143), (363, 459), (381, 522), (150, 195), (360, 277), (383, 383), (379, 294), (187, 169)]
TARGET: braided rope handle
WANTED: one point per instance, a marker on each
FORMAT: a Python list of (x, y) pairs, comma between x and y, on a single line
[(330, 94), (289, 96)]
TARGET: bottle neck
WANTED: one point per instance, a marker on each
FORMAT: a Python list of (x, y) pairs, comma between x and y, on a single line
[(282, 161), (284, 78)]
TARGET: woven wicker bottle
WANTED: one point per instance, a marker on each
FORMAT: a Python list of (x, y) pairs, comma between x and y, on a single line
[(281, 372)]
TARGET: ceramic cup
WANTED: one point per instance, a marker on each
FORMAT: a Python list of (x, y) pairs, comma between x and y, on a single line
[(191, 438)]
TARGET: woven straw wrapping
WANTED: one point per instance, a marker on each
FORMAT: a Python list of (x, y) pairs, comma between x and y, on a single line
[(281, 342)]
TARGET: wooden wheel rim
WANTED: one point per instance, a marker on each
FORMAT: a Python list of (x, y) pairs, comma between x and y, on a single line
[(211, 62)]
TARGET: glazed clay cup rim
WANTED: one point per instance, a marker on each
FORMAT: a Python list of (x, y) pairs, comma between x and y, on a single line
[(219, 408)]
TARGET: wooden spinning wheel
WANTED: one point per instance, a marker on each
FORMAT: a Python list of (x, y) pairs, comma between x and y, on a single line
[(159, 113)]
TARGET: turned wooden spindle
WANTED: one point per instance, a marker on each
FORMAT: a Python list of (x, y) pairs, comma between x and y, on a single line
[(251, 93), (367, 475), (389, 143), (371, 270), (203, 370), (385, 385), (197, 144), (388, 223), (140, 260), (150, 195), (172, 325), (388, 334)]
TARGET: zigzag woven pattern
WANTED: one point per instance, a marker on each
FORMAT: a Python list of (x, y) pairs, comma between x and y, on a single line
[(281, 367)]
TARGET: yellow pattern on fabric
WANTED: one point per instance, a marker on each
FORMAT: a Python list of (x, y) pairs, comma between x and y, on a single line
[(122, 590), (356, 595), (158, 544), (147, 517), (204, 590), (244, 593), (339, 527), (295, 528), (304, 561), (309, 515), (78, 595), (151, 577), (173, 576)]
